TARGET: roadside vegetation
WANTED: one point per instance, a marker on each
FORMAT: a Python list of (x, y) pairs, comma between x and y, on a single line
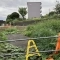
[(48, 26), (7, 48), (44, 29)]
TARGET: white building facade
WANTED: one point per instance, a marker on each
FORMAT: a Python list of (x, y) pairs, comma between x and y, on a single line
[(34, 9)]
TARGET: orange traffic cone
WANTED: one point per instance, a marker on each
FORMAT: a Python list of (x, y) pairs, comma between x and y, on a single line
[(58, 44)]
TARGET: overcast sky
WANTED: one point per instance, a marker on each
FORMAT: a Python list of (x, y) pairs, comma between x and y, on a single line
[(9, 6)]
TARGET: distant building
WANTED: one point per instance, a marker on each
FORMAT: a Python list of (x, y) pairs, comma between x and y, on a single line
[(2, 22), (34, 9)]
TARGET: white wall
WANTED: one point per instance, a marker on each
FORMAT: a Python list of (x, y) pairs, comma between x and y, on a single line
[(34, 9)]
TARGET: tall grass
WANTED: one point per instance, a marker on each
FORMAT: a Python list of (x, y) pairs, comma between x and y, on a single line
[(45, 28)]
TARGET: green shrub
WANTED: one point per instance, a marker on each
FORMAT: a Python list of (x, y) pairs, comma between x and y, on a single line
[(36, 18), (29, 30), (43, 29), (11, 30), (2, 36), (9, 49)]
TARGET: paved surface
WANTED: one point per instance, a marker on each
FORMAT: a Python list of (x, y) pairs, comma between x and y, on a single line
[(22, 44)]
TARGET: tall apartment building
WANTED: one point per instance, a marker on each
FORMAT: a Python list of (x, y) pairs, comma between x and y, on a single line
[(34, 9)]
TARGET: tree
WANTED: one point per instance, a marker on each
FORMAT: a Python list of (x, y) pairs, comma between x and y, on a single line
[(22, 11), (12, 17), (8, 19), (52, 13), (57, 8)]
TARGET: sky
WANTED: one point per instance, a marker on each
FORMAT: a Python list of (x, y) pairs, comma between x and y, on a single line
[(9, 6)]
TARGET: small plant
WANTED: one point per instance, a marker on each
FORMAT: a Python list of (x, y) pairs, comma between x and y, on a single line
[(10, 49), (11, 31), (2, 36)]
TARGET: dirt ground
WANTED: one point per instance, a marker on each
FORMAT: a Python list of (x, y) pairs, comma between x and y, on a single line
[(22, 43)]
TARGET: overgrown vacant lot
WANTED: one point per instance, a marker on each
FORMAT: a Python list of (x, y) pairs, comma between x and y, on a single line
[(10, 48), (43, 29)]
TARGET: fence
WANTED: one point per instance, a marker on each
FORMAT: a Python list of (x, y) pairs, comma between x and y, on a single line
[(27, 53)]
